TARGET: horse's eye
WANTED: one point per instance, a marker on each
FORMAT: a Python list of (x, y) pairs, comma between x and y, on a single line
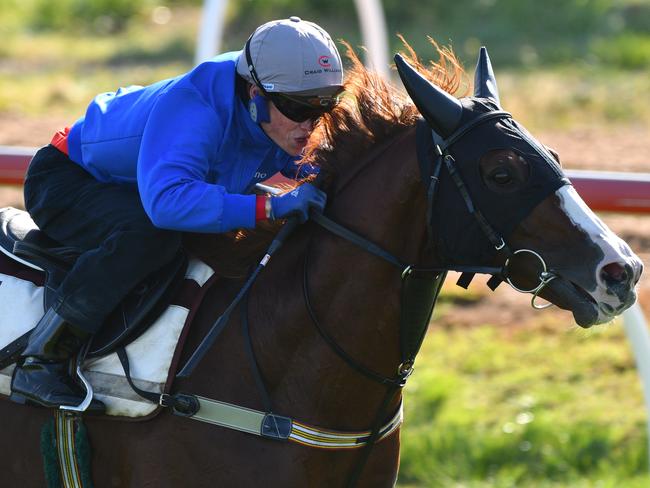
[(501, 177)]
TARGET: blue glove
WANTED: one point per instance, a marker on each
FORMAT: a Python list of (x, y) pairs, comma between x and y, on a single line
[(298, 202)]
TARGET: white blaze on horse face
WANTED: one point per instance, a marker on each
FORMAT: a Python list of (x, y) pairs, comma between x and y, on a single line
[(614, 250)]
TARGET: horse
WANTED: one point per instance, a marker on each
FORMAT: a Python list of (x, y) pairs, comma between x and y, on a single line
[(488, 196)]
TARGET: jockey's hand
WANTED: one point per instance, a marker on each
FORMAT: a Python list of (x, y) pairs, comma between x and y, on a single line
[(298, 202)]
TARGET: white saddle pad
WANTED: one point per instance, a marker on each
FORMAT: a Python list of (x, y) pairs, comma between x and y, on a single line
[(150, 356)]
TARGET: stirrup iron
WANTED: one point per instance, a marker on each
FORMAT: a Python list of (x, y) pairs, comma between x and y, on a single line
[(83, 406)]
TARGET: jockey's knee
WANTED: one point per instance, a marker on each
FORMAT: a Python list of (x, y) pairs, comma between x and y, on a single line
[(170, 242)]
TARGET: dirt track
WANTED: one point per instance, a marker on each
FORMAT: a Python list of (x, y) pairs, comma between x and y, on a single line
[(621, 149)]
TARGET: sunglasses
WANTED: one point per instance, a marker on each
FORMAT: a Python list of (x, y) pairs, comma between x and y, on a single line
[(302, 108), (295, 107)]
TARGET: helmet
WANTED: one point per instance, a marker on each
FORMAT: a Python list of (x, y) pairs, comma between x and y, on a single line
[(296, 65)]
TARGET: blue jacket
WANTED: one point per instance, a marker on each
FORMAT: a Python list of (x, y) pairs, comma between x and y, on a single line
[(187, 142)]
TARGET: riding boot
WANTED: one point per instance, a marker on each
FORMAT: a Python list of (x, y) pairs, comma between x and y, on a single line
[(41, 375)]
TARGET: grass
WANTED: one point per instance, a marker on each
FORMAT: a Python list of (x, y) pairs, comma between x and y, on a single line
[(534, 407)]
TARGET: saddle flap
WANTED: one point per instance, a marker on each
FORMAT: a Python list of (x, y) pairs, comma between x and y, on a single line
[(154, 349), (140, 308)]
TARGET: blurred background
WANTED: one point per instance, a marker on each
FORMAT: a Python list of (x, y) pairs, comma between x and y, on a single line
[(502, 396)]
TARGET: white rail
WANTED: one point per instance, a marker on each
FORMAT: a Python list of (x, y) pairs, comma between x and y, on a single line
[(213, 19), (636, 329), (375, 36)]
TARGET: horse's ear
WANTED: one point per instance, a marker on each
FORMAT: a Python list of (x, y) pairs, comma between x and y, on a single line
[(485, 84), (441, 110)]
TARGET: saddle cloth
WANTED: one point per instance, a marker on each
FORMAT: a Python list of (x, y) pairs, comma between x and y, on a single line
[(151, 356)]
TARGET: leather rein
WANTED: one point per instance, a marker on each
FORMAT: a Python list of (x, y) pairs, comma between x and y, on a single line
[(420, 289)]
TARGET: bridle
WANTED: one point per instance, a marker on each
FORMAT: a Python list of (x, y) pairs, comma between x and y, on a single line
[(434, 153), (430, 170)]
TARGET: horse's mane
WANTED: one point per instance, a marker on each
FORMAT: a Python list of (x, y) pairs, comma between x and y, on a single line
[(372, 110)]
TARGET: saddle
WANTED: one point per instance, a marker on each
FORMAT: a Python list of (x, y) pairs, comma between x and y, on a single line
[(23, 242)]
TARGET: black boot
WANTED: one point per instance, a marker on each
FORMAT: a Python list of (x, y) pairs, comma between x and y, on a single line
[(41, 376)]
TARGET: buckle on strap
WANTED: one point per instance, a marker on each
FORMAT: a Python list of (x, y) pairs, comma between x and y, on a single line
[(181, 404), (276, 426), (404, 370)]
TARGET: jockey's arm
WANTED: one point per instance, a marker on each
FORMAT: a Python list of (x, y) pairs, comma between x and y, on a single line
[(180, 139)]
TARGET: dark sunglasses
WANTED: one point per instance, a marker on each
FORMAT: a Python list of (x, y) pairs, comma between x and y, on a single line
[(301, 108), (295, 107)]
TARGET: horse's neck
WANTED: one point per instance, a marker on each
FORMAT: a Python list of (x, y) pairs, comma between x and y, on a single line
[(355, 296)]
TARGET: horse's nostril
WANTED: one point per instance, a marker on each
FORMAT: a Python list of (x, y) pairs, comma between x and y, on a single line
[(614, 273)]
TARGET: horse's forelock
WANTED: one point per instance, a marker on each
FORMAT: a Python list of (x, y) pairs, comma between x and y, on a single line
[(372, 110)]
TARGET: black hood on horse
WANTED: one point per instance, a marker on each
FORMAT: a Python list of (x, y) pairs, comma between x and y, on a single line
[(460, 239)]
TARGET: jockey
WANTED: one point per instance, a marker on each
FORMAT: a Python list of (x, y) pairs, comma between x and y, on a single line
[(147, 163)]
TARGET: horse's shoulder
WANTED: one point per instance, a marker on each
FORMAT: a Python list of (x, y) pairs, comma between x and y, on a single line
[(231, 254)]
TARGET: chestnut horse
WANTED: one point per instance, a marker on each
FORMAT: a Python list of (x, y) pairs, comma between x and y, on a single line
[(480, 160)]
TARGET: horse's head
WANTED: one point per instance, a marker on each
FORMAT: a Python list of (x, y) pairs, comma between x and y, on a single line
[(554, 245)]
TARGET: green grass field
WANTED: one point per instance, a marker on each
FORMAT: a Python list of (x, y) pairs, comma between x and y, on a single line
[(540, 406)]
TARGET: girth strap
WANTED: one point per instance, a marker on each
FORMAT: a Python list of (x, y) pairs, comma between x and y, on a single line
[(182, 404), (11, 352)]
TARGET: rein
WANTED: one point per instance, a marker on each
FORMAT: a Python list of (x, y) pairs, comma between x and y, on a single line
[(420, 289)]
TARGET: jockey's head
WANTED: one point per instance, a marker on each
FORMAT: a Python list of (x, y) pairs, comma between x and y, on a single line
[(295, 65)]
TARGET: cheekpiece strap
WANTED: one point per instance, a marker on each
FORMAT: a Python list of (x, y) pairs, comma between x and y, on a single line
[(428, 150)]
